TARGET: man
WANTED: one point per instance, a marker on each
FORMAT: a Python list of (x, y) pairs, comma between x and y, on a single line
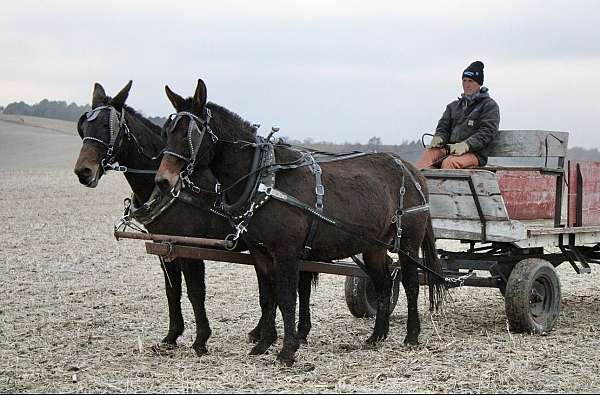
[(468, 125)]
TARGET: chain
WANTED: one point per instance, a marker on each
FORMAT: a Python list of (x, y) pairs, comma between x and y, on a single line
[(460, 280)]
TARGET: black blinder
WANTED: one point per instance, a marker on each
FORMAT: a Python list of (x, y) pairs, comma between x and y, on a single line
[(164, 131), (80, 123)]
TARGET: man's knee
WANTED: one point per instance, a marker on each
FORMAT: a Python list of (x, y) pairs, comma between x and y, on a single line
[(430, 157), (460, 162)]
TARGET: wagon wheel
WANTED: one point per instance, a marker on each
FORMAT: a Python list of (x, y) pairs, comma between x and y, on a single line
[(361, 298), (532, 297)]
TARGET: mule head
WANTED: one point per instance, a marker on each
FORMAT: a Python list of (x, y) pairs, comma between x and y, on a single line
[(189, 138), (94, 128)]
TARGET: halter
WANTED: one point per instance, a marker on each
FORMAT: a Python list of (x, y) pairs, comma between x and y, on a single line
[(116, 122), (194, 120)]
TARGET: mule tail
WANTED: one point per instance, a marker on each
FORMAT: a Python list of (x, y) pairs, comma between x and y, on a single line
[(437, 283), (315, 279)]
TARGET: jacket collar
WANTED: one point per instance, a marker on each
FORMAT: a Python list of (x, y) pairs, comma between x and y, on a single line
[(474, 98)]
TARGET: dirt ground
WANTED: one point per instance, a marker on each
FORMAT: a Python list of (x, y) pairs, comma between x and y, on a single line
[(80, 312)]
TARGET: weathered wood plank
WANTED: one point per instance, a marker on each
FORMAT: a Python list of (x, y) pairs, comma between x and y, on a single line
[(166, 250), (463, 207), (529, 143), (547, 230), (485, 183), (501, 231)]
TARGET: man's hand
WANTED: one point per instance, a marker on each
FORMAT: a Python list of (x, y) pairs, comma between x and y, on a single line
[(459, 148), (436, 142)]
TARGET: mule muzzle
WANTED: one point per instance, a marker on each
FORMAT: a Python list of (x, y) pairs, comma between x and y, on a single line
[(87, 176), (167, 175)]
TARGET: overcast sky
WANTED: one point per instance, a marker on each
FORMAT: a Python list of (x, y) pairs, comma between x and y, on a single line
[(336, 71)]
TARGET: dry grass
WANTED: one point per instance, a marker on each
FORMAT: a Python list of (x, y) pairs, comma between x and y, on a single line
[(81, 311)]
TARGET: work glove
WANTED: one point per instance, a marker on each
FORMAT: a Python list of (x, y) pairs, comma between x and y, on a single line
[(459, 148), (436, 142)]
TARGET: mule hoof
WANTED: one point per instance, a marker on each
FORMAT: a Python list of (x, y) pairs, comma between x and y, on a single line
[(162, 348), (411, 341), (286, 359), (374, 340), (170, 339), (260, 348), (200, 350), (253, 335)]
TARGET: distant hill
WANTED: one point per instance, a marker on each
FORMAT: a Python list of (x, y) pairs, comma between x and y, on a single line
[(47, 109), (56, 110)]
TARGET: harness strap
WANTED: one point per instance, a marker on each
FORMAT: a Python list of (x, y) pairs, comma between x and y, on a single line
[(399, 214), (319, 192)]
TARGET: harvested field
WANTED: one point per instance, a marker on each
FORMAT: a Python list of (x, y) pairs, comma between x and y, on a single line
[(80, 312)]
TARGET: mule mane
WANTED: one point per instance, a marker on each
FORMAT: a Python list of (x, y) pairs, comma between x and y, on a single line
[(231, 123), (149, 124), (132, 111)]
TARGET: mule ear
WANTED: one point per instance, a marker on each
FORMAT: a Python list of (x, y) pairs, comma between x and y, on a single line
[(174, 98), (119, 100), (99, 96), (200, 97)]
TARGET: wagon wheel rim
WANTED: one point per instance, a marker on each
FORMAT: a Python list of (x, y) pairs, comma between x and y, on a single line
[(541, 299)]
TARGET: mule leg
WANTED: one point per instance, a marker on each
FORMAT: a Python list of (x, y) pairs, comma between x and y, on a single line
[(172, 272), (254, 334), (264, 333), (410, 282), (287, 284), (304, 290), (376, 264), (193, 270)]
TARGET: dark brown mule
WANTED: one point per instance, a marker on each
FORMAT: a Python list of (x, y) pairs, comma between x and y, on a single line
[(363, 192), (137, 151)]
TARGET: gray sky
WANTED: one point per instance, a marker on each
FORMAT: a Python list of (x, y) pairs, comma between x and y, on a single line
[(336, 71)]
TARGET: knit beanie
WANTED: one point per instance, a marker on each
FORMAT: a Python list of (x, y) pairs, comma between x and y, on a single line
[(474, 72)]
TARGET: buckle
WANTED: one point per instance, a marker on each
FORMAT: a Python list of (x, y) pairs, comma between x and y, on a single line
[(320, 190), (265, 189)]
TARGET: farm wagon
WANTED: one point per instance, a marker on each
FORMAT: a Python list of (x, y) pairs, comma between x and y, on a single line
[(513, 221)]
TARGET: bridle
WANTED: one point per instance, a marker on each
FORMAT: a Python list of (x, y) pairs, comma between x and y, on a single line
[(118, 130), (193, 128)]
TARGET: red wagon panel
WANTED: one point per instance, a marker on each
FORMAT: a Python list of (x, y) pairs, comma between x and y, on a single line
[(589, 184), (527, 195)]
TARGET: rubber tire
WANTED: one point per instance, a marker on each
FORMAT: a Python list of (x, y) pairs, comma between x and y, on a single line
[(531, 277), (361, 299)]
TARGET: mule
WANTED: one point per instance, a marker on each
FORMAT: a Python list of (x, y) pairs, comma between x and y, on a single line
[(136, 142), (363, 193)]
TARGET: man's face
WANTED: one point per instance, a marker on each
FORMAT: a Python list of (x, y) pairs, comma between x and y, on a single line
[(470, 86)]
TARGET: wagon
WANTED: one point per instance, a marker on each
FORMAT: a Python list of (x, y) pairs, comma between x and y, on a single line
[(511, 220)]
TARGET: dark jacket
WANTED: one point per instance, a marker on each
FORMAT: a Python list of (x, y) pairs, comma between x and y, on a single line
[(474, 120)]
